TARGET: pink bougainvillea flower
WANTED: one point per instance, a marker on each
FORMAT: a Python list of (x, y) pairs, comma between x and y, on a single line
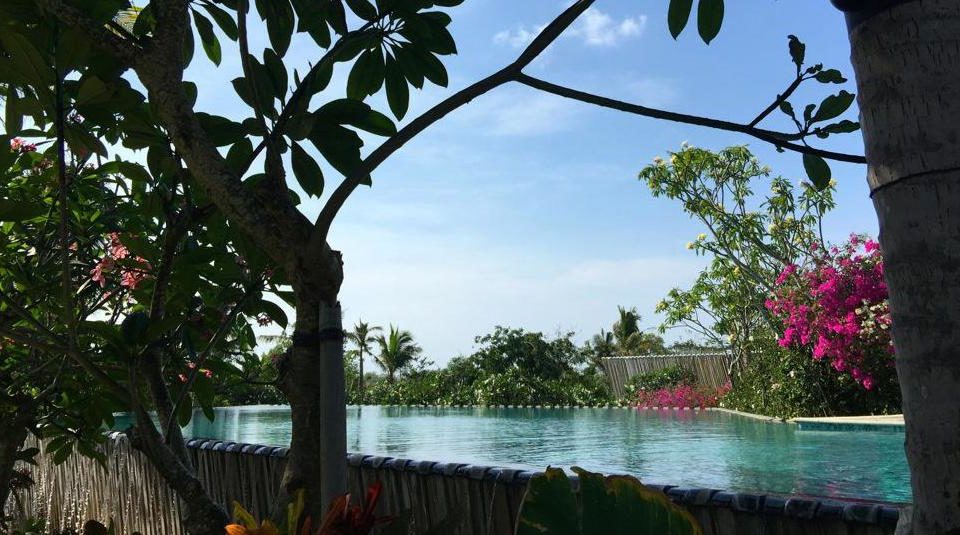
[(837, 309)]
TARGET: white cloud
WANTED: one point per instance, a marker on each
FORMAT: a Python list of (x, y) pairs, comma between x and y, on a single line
[(518, 38), (595, 28)]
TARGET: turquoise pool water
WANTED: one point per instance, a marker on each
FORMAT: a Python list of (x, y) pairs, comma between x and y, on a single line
[(689, 448)]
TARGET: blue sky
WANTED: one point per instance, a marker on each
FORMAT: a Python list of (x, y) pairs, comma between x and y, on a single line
[(523, 209)]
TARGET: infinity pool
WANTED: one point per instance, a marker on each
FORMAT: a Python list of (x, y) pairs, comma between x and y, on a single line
[(690, 448)]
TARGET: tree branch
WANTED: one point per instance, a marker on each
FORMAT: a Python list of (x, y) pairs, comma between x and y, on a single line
[(776, 103), (778, 139), (509, 73)]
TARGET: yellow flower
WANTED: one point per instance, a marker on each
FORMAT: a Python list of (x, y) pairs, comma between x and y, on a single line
[(689, 245), (702, 236)]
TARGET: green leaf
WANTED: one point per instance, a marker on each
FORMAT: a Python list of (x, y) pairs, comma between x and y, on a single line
[(409, 65), (185, 411), (709, 19), (339, 146), (678, 15), (25, 61), (833, 106), (239, 153), (549, 506), (220, 130), (211, 45), (817, 170), (134, 328), (841, 127), (376, 123), (364, 9), (798, 50), (308, 174), (13, 116), (787, 108), (432, 67), (830, 76), (275, 313), (398, 94), (92, 90), (280, 21), (366, 76), (61, 455), (223, 19), (7, 156), (613, 504), (277, 71)]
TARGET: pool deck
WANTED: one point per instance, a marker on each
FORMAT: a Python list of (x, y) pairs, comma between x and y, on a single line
[(892, 422)]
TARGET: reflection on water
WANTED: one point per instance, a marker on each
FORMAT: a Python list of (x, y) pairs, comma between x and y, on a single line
[(709, 449)]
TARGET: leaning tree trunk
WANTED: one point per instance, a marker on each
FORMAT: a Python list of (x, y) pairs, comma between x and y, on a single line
[(311, 376), (906, 57), (13, 432)]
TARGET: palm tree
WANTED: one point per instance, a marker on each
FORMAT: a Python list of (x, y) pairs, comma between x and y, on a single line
[(397, 351), (627, 330), (361, 337)]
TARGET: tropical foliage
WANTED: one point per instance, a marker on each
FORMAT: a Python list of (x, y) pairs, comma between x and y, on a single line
[(611, 504), (755, 246), (398, 350)]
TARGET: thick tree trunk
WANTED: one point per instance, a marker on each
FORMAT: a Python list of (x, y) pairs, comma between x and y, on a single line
[(312, 378), (907, 64), (201, 515), (13, 431)]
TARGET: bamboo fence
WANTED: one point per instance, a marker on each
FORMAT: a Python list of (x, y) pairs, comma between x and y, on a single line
[(711, 369), (458, 499)]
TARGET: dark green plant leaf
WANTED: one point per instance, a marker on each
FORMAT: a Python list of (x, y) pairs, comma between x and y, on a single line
[(277, 71), (366, 76), (13, 116), (817, 170), (787, 108), (830, 76), (308, 174), (20, 210), (211, 45), (220, 130), (339, 146), (409, 65), (223, 19), (280, 21), (275, 313), (25, 62), (833, 106), (841, 127), (678, 15), (798, 50), (709, 19), (363, 9), (398, 94), (432, 67), (134, 328), (239, 154)]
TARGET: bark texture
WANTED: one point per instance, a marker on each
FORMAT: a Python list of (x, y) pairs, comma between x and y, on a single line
[(13, 431), (907, 65)]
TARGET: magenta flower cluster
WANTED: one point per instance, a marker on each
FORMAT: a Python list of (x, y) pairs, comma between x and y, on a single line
[(837, 308), (683, 395)]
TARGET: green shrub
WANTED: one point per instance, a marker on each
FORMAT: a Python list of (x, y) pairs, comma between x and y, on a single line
[(787, 384), (668, 377)]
